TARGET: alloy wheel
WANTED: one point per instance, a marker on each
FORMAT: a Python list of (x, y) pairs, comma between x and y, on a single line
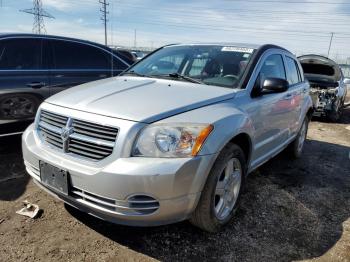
[(227, 189)]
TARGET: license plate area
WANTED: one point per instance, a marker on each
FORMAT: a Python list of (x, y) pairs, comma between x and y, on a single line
[(54, 177)]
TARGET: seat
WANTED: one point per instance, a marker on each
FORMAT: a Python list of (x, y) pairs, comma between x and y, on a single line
[(211, 69), (230, 69)]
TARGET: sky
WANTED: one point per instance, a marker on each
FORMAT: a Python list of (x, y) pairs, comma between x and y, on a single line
[(302, 26)]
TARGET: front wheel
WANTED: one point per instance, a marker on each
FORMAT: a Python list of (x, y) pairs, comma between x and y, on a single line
[(221, 193)]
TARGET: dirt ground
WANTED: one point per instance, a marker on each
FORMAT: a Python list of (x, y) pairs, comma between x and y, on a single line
[(291, 210)]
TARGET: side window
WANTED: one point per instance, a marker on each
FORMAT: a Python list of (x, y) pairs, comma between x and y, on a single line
[(118, 65), (21, 54), (72, 55), (170, 63), (166, 64), (273, 67), (301, 72), (120, 58), (197, 66), (293, 72)]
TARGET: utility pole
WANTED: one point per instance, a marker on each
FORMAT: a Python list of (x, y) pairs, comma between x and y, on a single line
[(134, 38), (104, 12), (330, 44), (39, 14)]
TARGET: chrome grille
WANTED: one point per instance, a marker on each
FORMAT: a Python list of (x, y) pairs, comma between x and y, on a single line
[(75, 136), (50, 126)]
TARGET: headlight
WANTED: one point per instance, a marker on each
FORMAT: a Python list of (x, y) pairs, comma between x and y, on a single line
[(177, 140)]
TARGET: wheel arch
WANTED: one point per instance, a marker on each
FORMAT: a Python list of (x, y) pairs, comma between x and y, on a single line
[(243, 140)]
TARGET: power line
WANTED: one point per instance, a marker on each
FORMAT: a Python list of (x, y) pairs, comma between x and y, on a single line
[(237, 28), (276, 1), (293, 2), (39, 14), (104, 12)]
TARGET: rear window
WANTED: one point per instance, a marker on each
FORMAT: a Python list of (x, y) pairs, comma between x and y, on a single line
[(72, 55)]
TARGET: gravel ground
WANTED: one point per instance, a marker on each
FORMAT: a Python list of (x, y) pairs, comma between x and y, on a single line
[(291, 210)]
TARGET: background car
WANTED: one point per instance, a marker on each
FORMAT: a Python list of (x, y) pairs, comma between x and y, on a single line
[(139, 54), (34, 67), (328, 85)]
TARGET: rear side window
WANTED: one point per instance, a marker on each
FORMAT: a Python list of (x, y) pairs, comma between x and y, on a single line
[(21, 54), (293, 72), (273, 67), (72, 55)]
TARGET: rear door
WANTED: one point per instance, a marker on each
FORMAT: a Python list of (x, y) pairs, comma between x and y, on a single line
[(23, 79), (75, 63), (295, 93)]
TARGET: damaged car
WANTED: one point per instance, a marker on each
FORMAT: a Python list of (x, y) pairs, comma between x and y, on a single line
[(328, 85), (173, 137)]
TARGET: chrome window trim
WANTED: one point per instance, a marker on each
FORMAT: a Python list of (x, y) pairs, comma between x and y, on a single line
[(67, 40)]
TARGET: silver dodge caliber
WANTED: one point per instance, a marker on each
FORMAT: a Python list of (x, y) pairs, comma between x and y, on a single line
[(173, 137)]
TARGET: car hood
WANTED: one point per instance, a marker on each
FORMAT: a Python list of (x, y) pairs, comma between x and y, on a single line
[(320, 69), (140, 99)]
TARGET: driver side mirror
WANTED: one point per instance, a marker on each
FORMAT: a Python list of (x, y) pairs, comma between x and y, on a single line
[(275, 85), (269, 85)]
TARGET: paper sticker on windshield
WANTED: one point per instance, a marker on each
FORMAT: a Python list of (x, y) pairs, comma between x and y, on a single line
[(237, 49)]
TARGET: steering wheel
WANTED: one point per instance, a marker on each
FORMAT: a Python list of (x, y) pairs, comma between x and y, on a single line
[(232, 76)]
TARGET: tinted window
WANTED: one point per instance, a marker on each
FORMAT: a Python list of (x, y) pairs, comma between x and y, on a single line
[(72, 55), (119, 65), (273, 67), (19, 54), (293, 73)]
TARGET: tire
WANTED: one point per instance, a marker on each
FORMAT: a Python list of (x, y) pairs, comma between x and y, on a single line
[(207, 215), (18, 106), (296, 147), (335, 115)]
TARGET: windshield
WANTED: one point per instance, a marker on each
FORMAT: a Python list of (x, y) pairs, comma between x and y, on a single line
[(212, 65)]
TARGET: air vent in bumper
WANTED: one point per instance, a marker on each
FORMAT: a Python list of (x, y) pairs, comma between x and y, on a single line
[(135, 205)]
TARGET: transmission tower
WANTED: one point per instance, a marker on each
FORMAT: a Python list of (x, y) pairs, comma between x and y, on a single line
[(104, 16), (39, 14)]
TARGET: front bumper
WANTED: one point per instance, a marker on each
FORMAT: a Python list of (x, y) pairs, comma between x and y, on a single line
[(166, 190)]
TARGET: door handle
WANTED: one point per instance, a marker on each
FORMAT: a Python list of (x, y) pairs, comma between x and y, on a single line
[(36, 84), (288, 96), (102, 75)]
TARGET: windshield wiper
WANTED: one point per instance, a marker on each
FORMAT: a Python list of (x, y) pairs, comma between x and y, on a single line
[(133, 73), (189, 79)]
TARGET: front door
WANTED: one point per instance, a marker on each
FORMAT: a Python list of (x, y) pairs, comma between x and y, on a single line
[(270, 113)]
